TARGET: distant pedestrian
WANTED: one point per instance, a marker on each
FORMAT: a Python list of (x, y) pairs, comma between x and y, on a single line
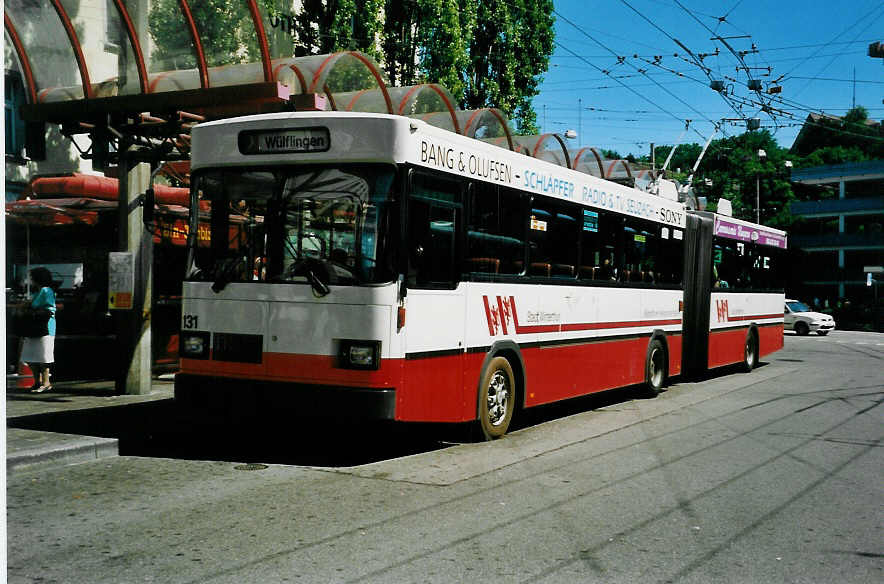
[(39, 352)]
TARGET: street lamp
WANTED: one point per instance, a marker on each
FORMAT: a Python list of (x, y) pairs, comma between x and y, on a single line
[(761, 156)]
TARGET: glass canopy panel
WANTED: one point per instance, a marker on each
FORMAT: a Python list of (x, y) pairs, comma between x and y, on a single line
[(421, 99), (343, 72), (229, 41), (10, 58), (367, 100), (48, 49), (616, 169), (279, 26), (643, 178), (545, 147), (168, 46), (287, 72), (443, 120), (554, 157), (585, 160), (110, 60), (483, 124)]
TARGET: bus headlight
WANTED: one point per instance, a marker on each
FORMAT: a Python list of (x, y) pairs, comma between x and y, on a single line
[(359, 354), (195, 345)]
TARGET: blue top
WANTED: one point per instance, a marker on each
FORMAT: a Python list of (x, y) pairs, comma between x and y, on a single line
[(45, 298)]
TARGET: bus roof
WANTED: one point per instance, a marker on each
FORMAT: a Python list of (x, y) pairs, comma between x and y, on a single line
[(351, 137)]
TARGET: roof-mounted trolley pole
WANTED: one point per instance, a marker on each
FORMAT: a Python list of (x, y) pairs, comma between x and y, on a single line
[(687, 124), (686, 187)]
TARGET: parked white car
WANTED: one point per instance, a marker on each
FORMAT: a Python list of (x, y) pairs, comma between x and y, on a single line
[(798, 316)]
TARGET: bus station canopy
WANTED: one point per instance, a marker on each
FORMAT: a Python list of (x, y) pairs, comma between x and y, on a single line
[(161, 65)]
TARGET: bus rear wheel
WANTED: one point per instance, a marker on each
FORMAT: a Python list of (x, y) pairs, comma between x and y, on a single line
[(655, 368), (750, 353), (497, 398)]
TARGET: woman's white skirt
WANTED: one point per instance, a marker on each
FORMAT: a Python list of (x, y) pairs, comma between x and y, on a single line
[(38, 349)]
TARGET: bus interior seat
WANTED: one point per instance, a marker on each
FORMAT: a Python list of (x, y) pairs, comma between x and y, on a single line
[(484, 265), (562, 270), (589, 272), (540, 269)]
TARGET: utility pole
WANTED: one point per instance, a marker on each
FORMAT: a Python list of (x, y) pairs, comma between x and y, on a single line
[(133, 317)]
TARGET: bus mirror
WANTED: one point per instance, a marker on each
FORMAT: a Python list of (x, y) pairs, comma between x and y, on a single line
[(403, 287), (148, 203)]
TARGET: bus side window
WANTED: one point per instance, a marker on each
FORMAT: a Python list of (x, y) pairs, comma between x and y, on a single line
[(495, 231), (434, 217)]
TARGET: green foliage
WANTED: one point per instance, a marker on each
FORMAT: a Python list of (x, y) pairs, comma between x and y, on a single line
[(225, 30), (509, 49), (488, 54), (836, 140)]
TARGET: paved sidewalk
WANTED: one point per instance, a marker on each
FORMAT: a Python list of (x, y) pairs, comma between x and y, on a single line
[(48, 446)]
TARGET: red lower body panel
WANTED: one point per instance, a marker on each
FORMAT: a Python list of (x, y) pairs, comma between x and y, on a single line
[(726, 347), (770, 339), (552, 373), (444, 388)]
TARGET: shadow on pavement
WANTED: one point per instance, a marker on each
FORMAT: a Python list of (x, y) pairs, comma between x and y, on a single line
[(164, 429), (160, 429)]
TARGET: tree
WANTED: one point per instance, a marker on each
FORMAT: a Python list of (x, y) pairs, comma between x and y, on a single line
[(327, 26), (222, 26), (509, 50), (488, 54), (832, 140)]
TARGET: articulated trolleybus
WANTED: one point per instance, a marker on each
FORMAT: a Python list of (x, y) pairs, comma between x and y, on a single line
[(377, 266)]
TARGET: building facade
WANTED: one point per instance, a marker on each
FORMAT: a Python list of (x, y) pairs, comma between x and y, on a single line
[(840, 227)]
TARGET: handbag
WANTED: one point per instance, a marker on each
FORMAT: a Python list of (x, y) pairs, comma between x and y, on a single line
[(34, 322)]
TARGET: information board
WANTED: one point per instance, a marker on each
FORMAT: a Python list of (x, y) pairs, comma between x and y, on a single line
[(121, 280)]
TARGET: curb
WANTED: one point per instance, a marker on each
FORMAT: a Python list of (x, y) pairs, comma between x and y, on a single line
[(50, 449)]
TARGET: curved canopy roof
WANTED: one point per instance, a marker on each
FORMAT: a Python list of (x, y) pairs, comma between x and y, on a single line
[(83, 60)]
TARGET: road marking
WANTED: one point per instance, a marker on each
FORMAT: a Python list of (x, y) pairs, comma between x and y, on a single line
[(860, 343)]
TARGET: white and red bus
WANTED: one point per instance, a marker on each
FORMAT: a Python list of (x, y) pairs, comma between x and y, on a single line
[(733, 292), (391, 269)]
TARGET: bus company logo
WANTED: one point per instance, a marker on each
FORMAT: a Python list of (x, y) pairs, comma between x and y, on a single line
[(721, 307), (500, 313)]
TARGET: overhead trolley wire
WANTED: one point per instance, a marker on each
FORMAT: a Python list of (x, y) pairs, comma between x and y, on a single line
[(821, 47), (829, 64), (603, 46), (696, 60), (735, 53), (630, 89)]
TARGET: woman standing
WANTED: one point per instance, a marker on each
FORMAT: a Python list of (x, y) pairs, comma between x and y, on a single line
[(39, 352)]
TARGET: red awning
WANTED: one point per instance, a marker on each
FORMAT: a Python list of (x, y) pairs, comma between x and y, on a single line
[(60, 211), (100, 187)]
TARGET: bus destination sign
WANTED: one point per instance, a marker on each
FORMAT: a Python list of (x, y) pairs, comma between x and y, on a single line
[(284, 141)]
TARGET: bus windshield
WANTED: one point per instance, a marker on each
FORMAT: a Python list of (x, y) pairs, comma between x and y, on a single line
[(296, 225)]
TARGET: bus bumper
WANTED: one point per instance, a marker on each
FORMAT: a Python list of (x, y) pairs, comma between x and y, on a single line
[(246, 396)]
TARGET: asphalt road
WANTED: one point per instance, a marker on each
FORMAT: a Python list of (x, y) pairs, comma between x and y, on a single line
[(772, 476)]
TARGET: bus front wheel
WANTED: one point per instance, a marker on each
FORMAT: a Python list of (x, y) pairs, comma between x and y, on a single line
[(497, 398), (655, 368)]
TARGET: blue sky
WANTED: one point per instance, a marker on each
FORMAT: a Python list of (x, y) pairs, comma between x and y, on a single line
[(812, 47)]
